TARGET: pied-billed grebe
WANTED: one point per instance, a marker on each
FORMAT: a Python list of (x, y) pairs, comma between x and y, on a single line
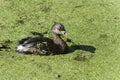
[(44, 45)]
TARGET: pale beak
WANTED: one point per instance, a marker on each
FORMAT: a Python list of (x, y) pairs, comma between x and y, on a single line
[(63, 32)]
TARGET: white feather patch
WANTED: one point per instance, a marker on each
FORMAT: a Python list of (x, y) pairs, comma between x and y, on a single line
[(21, 48)]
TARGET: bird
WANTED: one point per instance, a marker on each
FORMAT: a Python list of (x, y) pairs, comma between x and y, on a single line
[(43, 45)]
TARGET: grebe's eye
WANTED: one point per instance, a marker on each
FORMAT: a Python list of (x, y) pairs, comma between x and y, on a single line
[(59, 29)]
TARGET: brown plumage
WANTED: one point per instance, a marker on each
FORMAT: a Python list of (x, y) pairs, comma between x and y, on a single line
[(44, 45)]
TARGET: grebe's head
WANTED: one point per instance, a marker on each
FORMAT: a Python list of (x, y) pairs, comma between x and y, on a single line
[(58, 28)]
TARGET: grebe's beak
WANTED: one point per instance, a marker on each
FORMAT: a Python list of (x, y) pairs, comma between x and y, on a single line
[(63, 32)]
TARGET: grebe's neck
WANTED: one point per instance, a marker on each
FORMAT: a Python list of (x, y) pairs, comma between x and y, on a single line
[(60, 43), (56, 38)]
